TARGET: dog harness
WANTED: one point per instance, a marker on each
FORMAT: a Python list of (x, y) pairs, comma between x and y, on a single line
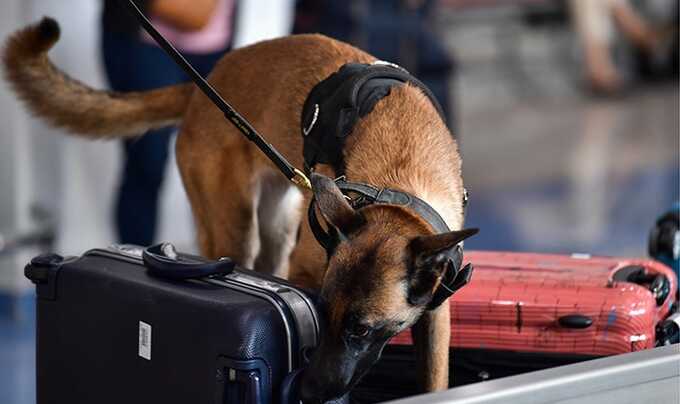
[(329, 115)]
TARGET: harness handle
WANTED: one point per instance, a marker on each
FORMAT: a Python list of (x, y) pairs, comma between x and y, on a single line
[(294, 175)]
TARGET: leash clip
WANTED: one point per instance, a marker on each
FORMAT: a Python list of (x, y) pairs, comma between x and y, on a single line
[(301, 180)]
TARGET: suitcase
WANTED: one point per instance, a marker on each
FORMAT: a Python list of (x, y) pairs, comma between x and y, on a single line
[(664, 239), (195, 332), (525, 312)]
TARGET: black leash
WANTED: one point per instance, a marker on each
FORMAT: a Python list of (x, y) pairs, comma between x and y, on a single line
[(293, 174)]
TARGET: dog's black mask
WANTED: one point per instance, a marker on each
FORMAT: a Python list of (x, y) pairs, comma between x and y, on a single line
[(337, 366)]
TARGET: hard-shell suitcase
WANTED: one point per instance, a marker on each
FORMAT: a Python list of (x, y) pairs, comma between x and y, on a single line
[(108, 332), (664, 239), (524, 312)]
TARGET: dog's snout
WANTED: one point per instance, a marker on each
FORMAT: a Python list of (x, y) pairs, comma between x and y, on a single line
[(319, 393), (321, 383), (314, 389), (309, 391), (307, 354)]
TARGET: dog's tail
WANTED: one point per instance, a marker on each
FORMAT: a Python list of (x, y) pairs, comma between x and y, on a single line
[(69, 104)]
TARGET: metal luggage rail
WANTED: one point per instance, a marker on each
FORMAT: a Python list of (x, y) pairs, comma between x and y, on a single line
[(650, 376)]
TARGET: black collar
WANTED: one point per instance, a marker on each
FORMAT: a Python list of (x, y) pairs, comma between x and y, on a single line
[(329, 114), (361, 195)]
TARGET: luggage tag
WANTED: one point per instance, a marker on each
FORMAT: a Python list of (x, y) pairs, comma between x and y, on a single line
[(163, 261)]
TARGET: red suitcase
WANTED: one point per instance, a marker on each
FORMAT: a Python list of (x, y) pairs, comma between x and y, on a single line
[(524, 312), (559, 304)]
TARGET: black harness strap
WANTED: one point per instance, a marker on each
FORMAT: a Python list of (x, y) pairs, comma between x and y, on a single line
[(334, 106), (360, 195)]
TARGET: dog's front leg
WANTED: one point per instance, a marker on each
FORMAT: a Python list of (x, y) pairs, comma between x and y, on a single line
[(431, 335)]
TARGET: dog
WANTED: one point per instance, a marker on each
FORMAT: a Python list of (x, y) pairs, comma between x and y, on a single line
[(388, 262)]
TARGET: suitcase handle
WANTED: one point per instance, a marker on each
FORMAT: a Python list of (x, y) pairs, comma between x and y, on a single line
[(660, 288), (163, 261), (657, 284)]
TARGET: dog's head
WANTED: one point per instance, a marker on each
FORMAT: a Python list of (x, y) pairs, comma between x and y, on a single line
[(380, 278)]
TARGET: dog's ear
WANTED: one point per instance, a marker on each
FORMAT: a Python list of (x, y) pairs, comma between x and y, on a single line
[(334, 206), (430, 262)]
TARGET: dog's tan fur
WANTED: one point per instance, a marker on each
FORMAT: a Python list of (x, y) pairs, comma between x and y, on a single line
[(242, 206)]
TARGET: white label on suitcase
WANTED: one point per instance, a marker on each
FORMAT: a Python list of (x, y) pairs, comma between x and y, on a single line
[(145, 340)]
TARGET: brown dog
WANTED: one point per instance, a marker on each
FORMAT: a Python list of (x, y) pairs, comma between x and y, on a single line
[(382, 275)]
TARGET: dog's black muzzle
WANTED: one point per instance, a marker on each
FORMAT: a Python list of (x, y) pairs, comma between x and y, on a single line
[(335, 369)]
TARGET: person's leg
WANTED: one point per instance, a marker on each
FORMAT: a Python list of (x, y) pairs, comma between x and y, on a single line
[(634, 26), (592, 21), (132, 66), (204, 63), (138, 195)]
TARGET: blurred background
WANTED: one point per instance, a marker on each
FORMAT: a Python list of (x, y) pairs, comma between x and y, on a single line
[(566, 111)]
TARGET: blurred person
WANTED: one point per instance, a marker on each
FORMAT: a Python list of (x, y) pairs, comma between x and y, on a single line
[(397, 31), (594, 21), (202, 30), (663, 64)]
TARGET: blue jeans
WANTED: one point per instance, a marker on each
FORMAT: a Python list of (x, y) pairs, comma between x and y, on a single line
[(132, 65)]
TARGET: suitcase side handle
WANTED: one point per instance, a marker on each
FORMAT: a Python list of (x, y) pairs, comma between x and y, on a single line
[(163, 261), (657, 284)]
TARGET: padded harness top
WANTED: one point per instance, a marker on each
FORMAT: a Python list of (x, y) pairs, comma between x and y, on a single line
[(334, 106)]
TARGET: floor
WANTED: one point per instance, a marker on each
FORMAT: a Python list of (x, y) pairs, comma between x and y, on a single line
[(17, 358), (547, 169), (572, 175)]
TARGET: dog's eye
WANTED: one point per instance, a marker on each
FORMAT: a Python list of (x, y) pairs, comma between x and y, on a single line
[(360, 331)]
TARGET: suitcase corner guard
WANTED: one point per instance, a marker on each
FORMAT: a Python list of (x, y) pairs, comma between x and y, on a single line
[(42, 271)]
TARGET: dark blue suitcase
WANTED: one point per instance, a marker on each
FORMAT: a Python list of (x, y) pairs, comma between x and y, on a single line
[(109, 330)]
